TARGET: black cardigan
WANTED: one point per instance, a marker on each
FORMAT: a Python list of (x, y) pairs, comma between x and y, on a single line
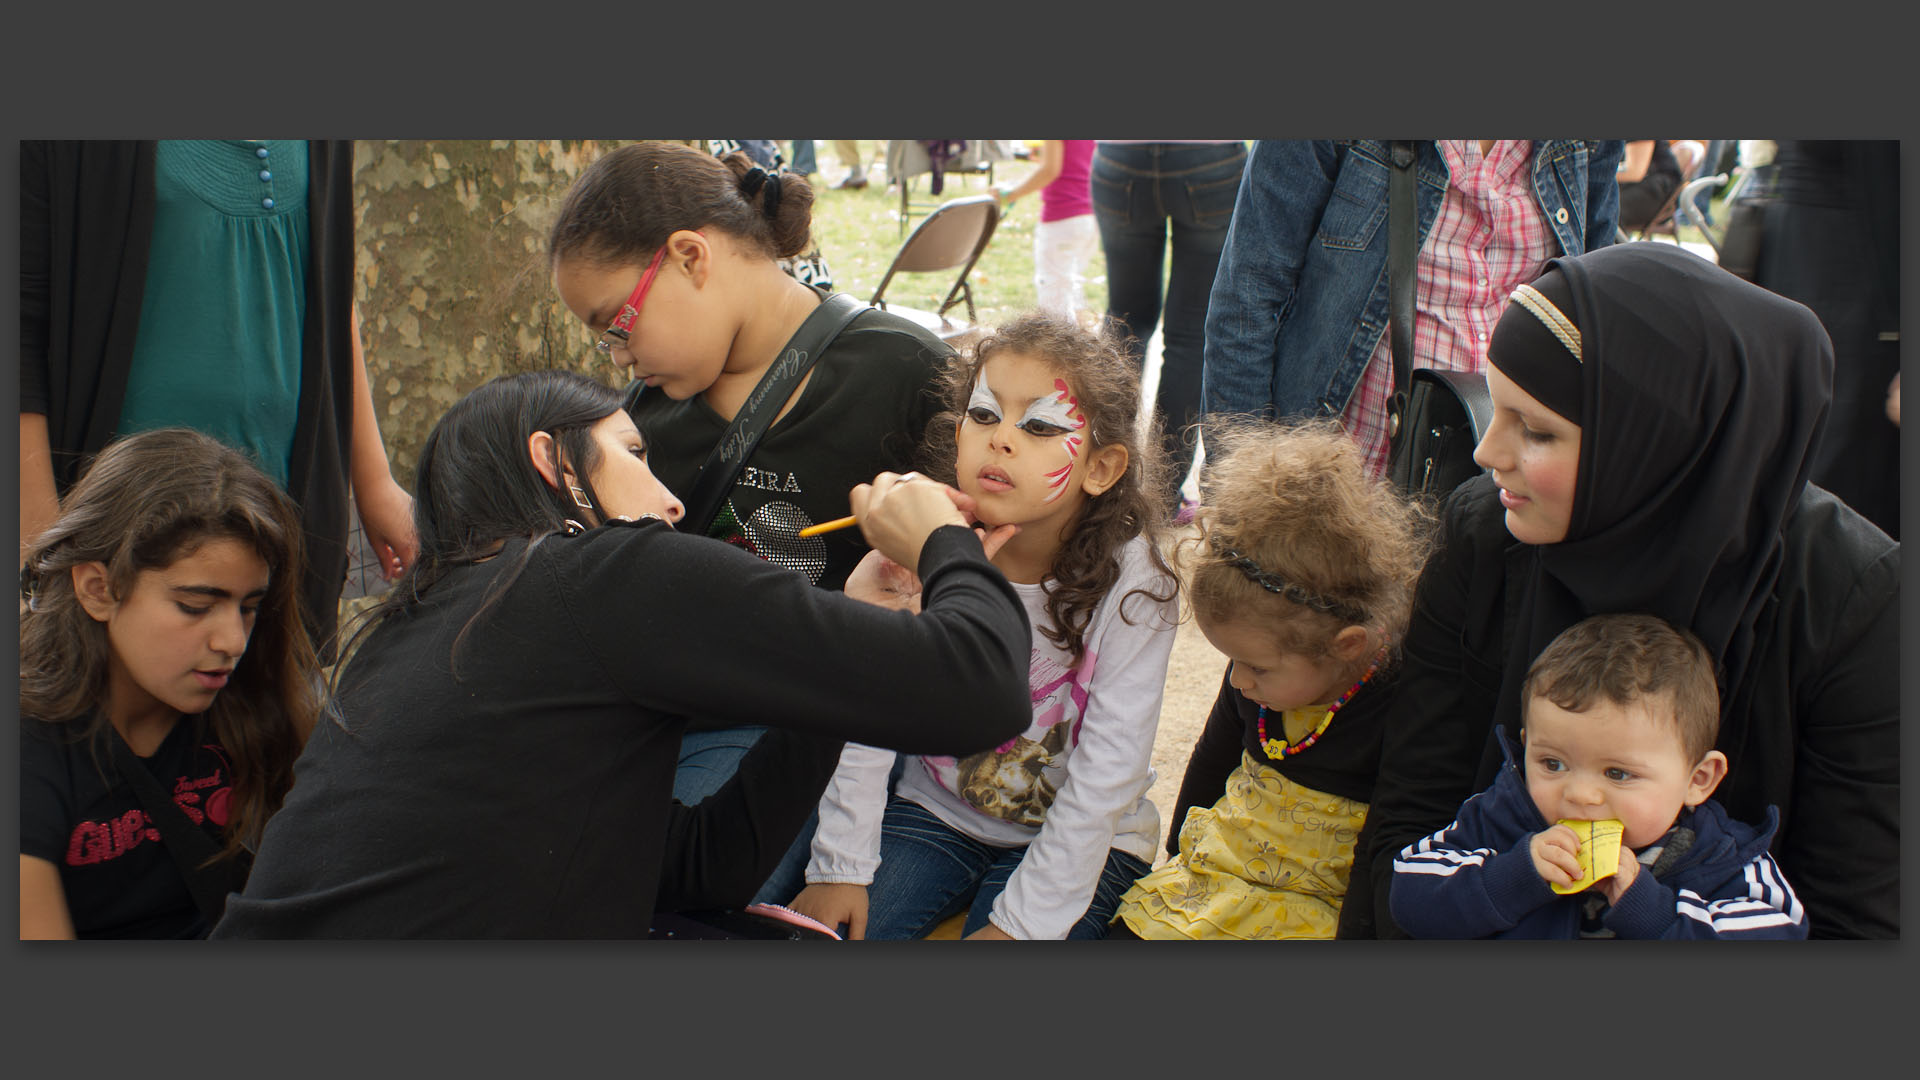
[(1814, 729), (522, 786), (86, 223)]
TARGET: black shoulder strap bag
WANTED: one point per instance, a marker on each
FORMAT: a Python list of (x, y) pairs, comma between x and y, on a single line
[(191, 848), (756, 414), (1434, 418), (716, 478)]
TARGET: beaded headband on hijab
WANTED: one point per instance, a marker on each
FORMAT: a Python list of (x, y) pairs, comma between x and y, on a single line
[(1533, 340), (1533, 300), (1293, 591)]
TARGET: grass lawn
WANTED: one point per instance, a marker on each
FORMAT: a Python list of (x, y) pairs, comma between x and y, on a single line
[(859, 233)]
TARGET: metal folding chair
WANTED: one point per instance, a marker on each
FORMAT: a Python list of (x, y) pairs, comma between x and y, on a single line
[(954, 234)]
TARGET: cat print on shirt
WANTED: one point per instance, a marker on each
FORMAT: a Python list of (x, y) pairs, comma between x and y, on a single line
[(1017, 780), (1013, 784)]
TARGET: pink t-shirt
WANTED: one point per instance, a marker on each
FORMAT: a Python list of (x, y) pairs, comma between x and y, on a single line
[(1070, 194)]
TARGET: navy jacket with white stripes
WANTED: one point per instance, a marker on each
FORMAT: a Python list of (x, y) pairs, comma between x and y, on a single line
[(1475, 879)]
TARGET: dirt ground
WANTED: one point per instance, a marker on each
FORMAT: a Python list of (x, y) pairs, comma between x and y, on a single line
[(1193, 680)]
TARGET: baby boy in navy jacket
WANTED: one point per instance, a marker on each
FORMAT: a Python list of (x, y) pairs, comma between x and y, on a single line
[(1619, 720)]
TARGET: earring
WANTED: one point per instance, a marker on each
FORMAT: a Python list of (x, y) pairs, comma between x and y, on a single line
[(580, 497), (30, 587), (572, 527)]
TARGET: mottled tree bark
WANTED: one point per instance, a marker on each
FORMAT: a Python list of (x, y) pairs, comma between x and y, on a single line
[(452, 278)]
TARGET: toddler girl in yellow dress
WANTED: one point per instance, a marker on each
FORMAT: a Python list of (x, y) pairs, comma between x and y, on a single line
[(1303, 576)]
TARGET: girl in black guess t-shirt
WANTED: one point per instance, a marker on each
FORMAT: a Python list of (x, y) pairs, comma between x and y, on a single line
[(172, 559)]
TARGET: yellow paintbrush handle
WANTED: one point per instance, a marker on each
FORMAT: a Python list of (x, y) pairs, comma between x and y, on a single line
[(829, 526)]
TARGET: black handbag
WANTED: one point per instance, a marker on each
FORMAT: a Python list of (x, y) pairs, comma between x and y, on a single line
[(1446, 413), (1434, 418)]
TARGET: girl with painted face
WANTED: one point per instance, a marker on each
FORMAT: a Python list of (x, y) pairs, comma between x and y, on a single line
[(1036, 837), (1655, 421), (498, 755), (671, 258), (160, 631), (1302, 575)]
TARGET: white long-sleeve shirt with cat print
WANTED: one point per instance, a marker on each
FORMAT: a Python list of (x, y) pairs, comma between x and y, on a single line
[(1071, 787)]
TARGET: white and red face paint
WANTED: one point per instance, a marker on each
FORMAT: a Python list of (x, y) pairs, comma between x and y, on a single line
[(1061, 410), (982, 397), (1040, 454)]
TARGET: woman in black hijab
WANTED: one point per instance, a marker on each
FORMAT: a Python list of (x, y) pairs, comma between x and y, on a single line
[(1656, 418)]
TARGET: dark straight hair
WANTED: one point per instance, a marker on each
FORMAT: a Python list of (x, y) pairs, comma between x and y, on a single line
[(476, 486)]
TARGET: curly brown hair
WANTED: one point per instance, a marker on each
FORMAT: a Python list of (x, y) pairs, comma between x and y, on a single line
[(1107, 385), (1296, 502), (626, 204), (147, 501)]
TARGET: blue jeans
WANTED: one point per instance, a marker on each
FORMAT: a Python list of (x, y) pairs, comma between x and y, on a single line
[(929, 873), (803, 162), (708, 759), (790, 876), (1141, 192)]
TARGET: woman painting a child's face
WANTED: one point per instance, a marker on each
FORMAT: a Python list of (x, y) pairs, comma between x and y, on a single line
[(621, 478)]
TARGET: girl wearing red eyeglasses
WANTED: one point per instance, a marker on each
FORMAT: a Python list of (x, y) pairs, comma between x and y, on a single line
[(672, 257)]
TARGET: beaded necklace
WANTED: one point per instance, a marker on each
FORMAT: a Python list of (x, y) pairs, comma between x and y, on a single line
[(1281, 748)]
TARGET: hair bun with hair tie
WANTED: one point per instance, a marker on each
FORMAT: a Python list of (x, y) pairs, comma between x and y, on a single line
[(770, 202), (751, 180)]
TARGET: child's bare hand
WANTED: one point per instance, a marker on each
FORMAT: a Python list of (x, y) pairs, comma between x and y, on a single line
[(1616, 886), (835, 905), (1556, 855), (880, 581), (995, 539)]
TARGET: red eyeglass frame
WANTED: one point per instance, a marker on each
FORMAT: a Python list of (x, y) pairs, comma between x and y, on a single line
[(622, 326)]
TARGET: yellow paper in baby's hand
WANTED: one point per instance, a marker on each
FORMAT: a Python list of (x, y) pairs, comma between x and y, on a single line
[(1599, 848)]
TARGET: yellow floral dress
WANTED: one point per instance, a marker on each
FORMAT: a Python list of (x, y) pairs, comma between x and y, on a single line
[(1269, 860)]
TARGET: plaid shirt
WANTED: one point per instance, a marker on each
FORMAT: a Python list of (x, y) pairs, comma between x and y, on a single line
[(1489, 237)]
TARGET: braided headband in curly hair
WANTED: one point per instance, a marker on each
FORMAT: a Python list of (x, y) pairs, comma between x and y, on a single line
[(751, 184), (1274, 583)]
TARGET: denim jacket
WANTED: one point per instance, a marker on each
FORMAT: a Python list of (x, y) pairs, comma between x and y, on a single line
[(1315, 212)]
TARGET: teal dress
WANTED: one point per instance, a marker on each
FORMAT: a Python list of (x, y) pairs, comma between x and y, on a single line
[(225, 298)]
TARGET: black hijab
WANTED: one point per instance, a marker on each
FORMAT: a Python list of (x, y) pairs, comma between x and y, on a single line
[(1701, 403)]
